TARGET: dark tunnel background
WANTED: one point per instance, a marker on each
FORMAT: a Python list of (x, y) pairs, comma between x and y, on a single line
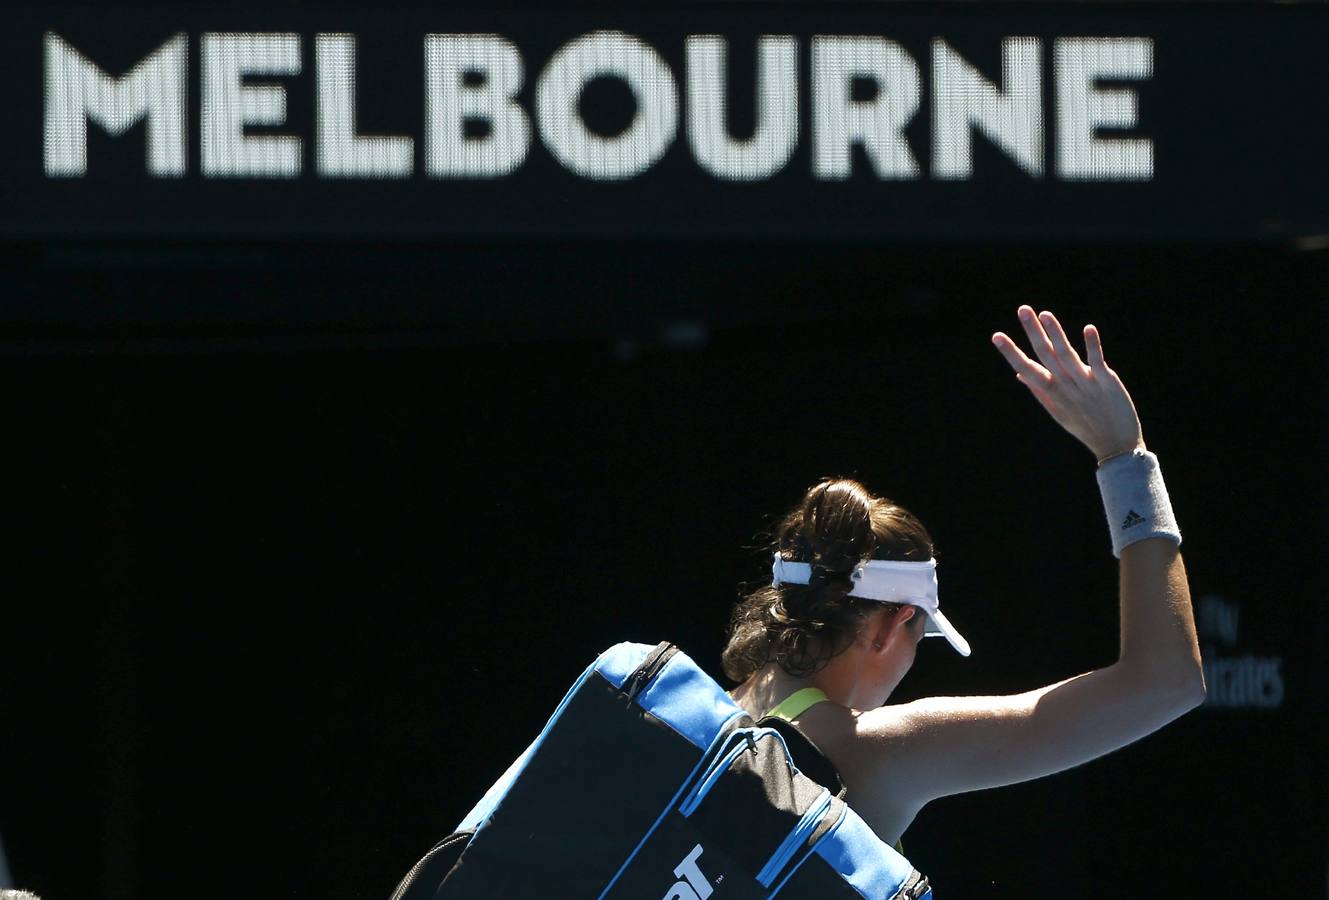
[(283, 600)]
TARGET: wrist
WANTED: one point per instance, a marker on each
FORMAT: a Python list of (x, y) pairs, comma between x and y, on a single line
[(1111, 455), (1136, 500)]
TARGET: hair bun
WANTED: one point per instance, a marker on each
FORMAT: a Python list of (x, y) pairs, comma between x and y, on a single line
[(836, 525)]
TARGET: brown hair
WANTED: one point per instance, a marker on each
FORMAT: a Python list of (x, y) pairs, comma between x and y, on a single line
[(837, 525)]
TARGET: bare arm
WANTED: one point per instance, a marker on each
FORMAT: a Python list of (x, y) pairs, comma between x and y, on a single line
[(949, 745)]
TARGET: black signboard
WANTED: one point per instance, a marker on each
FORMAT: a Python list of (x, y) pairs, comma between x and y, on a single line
[(846, 120)]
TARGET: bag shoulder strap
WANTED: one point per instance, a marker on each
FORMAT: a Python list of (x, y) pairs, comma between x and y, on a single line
[(795, 705)]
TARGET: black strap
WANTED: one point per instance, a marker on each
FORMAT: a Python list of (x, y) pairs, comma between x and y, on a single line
[(808, 756)]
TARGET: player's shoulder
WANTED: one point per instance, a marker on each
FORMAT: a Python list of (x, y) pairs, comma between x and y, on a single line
[(905, 740)]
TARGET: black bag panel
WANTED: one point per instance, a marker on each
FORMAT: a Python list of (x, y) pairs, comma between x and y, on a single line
[(735, 821), (678, 854), (563, 822), (809, 758), (759, 800)]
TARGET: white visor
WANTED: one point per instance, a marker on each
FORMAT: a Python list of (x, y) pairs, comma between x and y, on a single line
[(914, 583)]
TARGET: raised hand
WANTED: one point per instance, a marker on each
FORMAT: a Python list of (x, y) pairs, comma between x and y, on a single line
[(1089, 401)]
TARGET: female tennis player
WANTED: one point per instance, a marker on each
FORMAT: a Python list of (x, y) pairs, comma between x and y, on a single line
[(854, 589)]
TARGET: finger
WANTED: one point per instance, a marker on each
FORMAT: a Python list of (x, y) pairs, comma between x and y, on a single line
[(1015, 356), (1066, 356), (1038, 338), (1093, 343), (1043, 398)]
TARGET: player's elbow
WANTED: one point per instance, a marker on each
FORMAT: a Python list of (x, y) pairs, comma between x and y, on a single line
[(1168, 694), (1184, 694), (1195, 690), (1189, 686)]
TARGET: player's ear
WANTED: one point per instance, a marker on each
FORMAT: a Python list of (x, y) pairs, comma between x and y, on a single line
[(907, 617), (889, 623)]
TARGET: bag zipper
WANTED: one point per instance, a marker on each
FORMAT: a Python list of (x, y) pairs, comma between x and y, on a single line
[(645, 673), (840, 817), (725, 759), (785, 852), (716, 769), (916, 887), (408, 884)]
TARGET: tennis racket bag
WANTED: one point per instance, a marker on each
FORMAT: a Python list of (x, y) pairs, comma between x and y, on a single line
[(649, 782)]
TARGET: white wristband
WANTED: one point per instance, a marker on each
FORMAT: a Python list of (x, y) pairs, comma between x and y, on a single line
[(1136, 500)]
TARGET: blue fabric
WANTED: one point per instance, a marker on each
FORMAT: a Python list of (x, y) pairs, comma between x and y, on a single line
[(621, 660), (689, 701), (864, 860)]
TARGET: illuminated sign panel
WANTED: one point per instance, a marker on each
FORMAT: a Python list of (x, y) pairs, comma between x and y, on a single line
[(477, 77), (874, 122)]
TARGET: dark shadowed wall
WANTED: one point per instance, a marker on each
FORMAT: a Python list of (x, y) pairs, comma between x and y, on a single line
[(281, 603)]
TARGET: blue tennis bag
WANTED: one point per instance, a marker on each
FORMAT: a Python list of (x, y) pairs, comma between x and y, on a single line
[(649, 782)]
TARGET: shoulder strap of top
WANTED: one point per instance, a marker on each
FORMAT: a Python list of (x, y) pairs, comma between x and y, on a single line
[(797, 703)]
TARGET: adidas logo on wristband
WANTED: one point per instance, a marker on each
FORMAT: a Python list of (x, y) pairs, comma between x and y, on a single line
[(1134, 495)]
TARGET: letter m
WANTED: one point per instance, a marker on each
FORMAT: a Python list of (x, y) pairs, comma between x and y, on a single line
[(77, 90)]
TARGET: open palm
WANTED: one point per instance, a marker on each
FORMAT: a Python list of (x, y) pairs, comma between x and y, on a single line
[(1088, 400)]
